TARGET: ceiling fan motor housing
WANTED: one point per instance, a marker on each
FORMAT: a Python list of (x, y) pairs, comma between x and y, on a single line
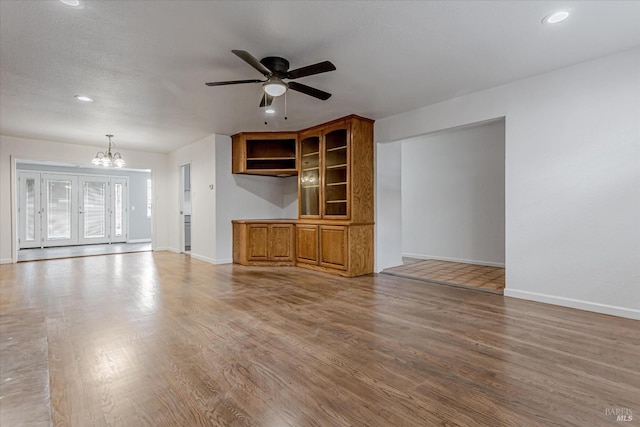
[(279, 66)]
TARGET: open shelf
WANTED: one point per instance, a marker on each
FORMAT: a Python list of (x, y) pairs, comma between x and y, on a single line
[(270, 148), (265, 153), (271, 164)]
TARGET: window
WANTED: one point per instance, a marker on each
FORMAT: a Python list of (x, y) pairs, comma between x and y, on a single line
[(149, 198)]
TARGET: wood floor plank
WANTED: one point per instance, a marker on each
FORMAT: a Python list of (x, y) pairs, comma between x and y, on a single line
[(161, 339)]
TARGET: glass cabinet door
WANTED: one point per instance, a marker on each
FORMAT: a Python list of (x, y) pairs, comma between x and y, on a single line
[(336, 173), (310, 177)]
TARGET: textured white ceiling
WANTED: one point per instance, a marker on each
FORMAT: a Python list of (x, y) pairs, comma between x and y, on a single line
[(146, 62)]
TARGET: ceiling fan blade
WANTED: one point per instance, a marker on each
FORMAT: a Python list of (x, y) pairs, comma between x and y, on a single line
[(308, 90), (232, 82), (320, 67), (249, 59), (266, 100)]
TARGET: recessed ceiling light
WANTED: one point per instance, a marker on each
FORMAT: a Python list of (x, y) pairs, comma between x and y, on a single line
[(83, 98), (72, 3), (269, 110), (555, 17)]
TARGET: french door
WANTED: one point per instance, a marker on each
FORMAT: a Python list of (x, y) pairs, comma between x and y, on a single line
[(59, 210), (62, 209), (93, 212)]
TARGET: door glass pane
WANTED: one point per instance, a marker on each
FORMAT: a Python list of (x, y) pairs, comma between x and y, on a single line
[(94, 209), (30, 210), (118, 211), (58, 210), (310, 177), (335, 173)]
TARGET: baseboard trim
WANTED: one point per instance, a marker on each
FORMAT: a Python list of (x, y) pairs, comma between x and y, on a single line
[(574, 303), (6, 261), (139, 241), (211, 260), (203, 258), (466, 261), (164, 248)]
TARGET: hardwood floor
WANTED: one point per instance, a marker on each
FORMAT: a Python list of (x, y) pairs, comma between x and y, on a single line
[(161, 339)]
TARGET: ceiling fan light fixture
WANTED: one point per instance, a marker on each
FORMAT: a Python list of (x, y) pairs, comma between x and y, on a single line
[(275, 87)]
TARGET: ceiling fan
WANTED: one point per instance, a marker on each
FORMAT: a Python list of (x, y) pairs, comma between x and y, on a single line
[(276, 69)]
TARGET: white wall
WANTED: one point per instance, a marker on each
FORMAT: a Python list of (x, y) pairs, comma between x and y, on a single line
[(453, 195), (245, 197), (388, 205), (572, 195), (290, 196), (12, 149), (201, 156)]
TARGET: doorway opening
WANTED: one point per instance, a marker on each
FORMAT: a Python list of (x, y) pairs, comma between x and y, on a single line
[(62, 206), (185, 212), (453, 207)]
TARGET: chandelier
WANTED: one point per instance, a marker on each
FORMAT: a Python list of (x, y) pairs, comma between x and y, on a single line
[(107, 158)]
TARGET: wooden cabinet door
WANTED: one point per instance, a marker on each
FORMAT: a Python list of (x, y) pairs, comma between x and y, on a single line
[(336, 171), (333, 246), (309, 181), (281, 238), (307, 244), (258, 237)]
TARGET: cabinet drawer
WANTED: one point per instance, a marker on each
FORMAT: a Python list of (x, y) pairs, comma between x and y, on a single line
[(333, 246)]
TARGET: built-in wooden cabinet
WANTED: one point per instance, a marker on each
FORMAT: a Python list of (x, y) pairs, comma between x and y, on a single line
[(344, 213), (344, 174), (264, 242), (265, 153), (334, 161)]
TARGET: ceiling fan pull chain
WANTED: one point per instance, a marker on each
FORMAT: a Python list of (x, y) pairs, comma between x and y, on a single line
[(285, 105), (265, 105)]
